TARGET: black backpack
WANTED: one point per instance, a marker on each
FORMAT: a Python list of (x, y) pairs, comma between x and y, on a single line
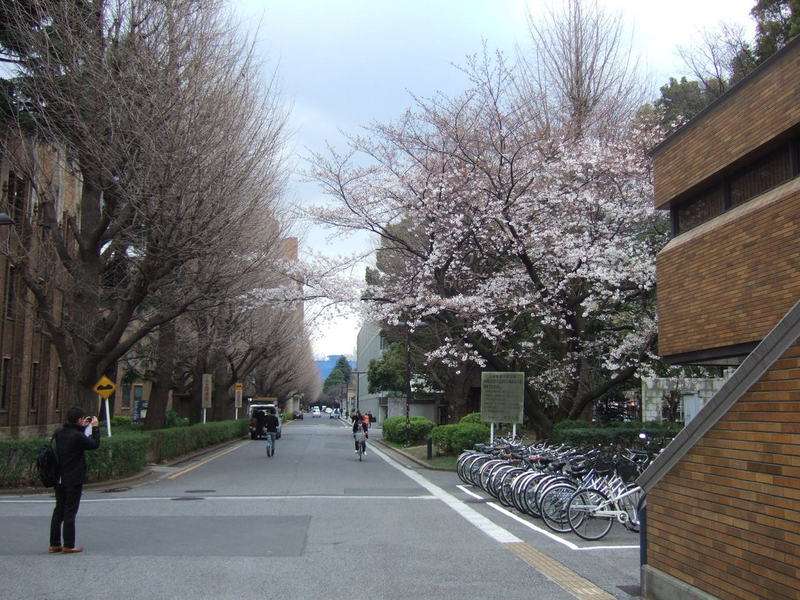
[(47, 464)]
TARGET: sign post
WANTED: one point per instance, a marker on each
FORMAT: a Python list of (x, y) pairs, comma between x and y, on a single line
[(208, 388), (237, 403), (104, 388), (502, 399)]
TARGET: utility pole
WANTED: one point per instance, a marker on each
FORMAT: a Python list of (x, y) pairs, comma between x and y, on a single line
[(408, 380)]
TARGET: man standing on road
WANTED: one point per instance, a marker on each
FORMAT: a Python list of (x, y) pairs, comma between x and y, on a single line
[(77, 435)]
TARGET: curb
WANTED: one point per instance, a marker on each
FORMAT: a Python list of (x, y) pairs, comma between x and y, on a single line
[(412, 458), (141, 476)]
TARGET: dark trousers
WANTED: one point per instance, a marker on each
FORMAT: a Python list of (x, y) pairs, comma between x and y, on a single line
[(68, 498)]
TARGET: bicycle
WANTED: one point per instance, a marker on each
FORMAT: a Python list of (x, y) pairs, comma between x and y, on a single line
[(361, 443), (270, 443), (594, 507)]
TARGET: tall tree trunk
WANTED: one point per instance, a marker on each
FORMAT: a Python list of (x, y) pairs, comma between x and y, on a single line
[(162, 380)]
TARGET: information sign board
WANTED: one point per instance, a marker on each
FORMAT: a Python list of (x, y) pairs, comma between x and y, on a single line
[(208, 389), (502, 397)]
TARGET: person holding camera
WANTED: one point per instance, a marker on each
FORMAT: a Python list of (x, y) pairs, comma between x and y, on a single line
[(79, 433)]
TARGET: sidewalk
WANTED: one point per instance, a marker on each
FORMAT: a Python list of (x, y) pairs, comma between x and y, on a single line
[(418, 454)]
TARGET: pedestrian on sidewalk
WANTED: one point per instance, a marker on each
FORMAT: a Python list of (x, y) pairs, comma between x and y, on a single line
[(79, 433)]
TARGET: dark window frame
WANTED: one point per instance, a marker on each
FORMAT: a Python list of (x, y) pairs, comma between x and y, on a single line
[(5, 375), (10, 293), (33, 384), (793, 146), (59, 392)]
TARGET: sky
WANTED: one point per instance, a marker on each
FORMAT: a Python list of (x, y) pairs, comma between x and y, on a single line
[(343, 64)]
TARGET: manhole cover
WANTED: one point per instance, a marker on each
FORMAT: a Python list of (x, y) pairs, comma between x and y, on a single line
[(115, 490), (632, 590), (186, 498), (200, 491)]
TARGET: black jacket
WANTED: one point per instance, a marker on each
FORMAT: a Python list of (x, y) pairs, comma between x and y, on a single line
[(271, 422), (71, 443)]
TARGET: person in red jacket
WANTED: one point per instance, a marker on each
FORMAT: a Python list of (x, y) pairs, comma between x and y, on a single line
[(78, 434)]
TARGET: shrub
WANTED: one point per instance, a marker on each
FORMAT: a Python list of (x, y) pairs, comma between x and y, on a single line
[(173, 420), (441, 437), (466, 435), (579, 433), (169, 443), (419, 428), (122, 422), (474, 417), (123, 454), (117, 456), (18, 462)]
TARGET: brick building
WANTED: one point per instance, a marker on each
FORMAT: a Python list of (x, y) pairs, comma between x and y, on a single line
[(33, 389), (723, 500)]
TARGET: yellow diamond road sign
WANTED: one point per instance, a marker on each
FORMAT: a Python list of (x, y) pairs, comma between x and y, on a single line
[(104, 387)]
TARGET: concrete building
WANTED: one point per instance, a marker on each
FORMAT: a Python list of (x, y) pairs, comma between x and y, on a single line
[(723, 499), (691, 394), (370, 346)]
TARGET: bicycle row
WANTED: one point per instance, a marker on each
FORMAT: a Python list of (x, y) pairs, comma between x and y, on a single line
[(584, 490)]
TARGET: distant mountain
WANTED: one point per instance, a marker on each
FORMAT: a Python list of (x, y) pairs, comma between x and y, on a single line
[(326, 366)]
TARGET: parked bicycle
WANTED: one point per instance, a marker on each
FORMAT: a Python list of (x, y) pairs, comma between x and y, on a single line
[(580, 489)]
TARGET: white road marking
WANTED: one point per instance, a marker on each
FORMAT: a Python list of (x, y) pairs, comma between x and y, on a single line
[(488, 527), (544, 532), (519, 519)]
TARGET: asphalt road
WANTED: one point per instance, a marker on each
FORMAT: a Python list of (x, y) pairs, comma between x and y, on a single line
[(311, 522)]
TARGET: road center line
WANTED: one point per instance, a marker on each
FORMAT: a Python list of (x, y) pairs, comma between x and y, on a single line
[(491, 529), (206, 461)]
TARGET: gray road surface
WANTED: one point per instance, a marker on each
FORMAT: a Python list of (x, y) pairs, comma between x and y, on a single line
[(311, 522)]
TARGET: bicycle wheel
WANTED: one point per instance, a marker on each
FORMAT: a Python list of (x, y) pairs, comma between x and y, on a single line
[(553, 507), (630, 504), (582, 520)]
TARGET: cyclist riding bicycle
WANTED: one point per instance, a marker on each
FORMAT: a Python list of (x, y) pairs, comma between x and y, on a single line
[(360, 425), (271, 428)]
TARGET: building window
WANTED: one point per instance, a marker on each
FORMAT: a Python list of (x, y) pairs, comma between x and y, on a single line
[(737, 188), (126, 395), (59, 388), (770, 172), (5, 381), (34, 385), (11, 292), (16, 196), (705, 207)]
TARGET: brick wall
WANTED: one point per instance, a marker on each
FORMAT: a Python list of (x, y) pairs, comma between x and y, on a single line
[(726, 518), (731, 280), (729, 131)]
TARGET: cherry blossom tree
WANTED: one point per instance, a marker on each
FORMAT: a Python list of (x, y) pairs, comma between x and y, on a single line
[(536, 245)]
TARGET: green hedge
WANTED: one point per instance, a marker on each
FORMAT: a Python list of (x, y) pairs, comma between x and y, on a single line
[(166, 444), (419, 428), (123, 454), (474, 417), (580, 433), (455, 438), (117, 456)]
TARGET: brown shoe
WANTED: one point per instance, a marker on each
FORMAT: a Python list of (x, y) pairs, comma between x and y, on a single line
[(75, 550), (54, 549)]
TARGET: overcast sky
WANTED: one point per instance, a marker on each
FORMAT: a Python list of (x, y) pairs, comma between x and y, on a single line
[(345, 63)]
